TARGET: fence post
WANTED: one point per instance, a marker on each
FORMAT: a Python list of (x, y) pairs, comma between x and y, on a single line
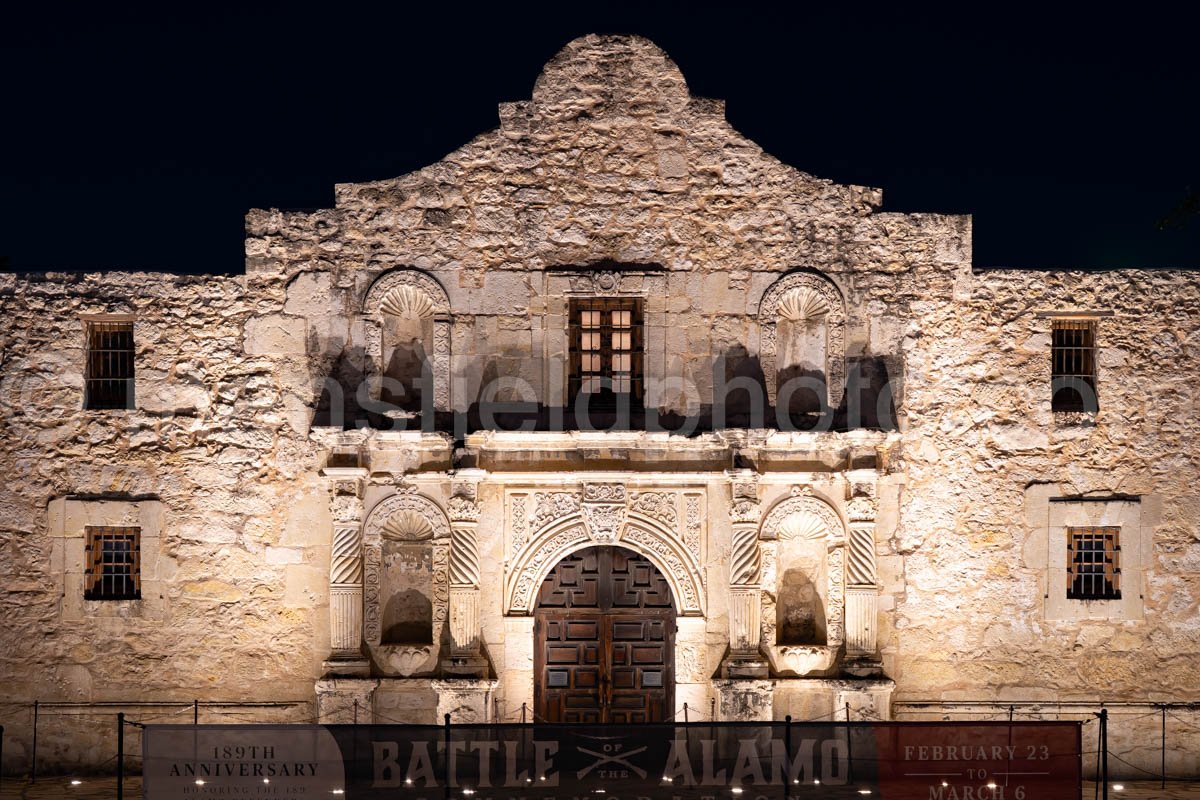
[(685, 714), (1163, 785), (522, 713), (1, 758), (195, 712), (448, 776), (356, 711), (849, 748), (1104, 748), (787, 754), (33, 754), (120, 755)]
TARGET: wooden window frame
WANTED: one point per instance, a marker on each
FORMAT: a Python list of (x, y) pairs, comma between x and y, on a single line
[(1084, 581), (605, 352), (124, 580), (1073, 364), (109, 364)]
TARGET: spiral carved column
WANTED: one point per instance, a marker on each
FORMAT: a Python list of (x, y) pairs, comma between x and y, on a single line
[(745, 591), (862, 592), (346, 574), (466, 658)]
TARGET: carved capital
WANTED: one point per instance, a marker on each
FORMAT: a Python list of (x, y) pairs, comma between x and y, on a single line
[(745, 512), (462, 509)]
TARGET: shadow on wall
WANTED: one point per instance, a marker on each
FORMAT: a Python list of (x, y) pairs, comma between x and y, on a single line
[(354, 395), (800, 612)]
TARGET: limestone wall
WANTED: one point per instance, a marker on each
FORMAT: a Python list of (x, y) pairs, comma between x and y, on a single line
[(970, 567), (210, 463)]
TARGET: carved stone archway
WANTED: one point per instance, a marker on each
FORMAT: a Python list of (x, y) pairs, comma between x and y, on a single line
[(803, 516), (563, 536), (408, 290), (801, 295)]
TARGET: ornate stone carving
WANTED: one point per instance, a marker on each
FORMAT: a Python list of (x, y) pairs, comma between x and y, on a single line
[(372, 568), (744, 560), (345, 562), (410, 291), (692, 531), (835, 611), (553, 542), (684, 578), (390, 286), (464, 556), (604, 493), (659, 505), (551, 506), (406, 505), (441, 586), (406, 526), (862, 556), (517, 520), (745, 511), (802, 296), (538, 559), (462, 509), (345, 508), (816, 518), (604, 521)]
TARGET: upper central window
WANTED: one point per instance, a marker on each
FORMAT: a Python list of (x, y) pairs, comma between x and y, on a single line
[(606, 349)]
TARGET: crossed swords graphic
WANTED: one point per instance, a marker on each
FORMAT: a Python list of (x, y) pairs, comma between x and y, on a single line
[(619, 758)]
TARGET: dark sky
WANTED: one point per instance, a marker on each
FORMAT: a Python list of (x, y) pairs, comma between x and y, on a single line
[(136, 137)]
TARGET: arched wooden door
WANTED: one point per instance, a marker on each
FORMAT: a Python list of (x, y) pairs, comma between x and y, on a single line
[(604, 632)]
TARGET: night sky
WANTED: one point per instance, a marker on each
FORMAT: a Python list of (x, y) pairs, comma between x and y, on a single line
[(137, 137)]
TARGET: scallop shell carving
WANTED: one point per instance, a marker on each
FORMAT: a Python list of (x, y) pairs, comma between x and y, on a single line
[(802, 304), (802, 526), (407, 301), (407, 526)]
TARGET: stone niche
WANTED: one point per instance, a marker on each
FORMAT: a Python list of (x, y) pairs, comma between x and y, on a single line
[(803, 614), (406, 541)]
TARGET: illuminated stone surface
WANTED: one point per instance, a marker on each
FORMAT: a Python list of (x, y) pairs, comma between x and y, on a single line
[(610, 162)]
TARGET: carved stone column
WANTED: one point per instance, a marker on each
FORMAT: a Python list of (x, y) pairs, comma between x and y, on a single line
[(745, 591), (346, 573), (466, 658), (862, 592)]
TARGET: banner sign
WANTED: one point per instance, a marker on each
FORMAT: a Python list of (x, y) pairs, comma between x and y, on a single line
[(698, 761)]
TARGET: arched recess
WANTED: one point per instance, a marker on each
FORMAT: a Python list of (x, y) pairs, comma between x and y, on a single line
[(802, 330), (562, 537), (802, 519), (405, 525), (407, 316)]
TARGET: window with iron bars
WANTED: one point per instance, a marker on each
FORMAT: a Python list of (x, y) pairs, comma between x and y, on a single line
[(108, 372), (114, 563), (1094, 563), (1073, 365), (606, 349)]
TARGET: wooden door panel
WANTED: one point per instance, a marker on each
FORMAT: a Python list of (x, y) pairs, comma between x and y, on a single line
[(604, 631)]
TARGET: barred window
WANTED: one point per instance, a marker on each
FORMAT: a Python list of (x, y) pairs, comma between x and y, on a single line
[(114, 563), (606, 348), (1073, 365), (1094, 563), (108, 372)]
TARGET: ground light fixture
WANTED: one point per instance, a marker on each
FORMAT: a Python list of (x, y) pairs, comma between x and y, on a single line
[(1118, 787), (75, 781)]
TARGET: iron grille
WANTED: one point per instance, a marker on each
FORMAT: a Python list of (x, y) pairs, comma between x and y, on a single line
[(606, 348), (114, 563), (1093, 563), (1073, 370), (108, 374)]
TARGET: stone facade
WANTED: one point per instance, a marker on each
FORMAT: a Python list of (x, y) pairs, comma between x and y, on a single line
[(308, 543)]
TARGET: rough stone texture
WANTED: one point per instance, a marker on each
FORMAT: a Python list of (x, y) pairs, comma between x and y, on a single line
[(611, 161)]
